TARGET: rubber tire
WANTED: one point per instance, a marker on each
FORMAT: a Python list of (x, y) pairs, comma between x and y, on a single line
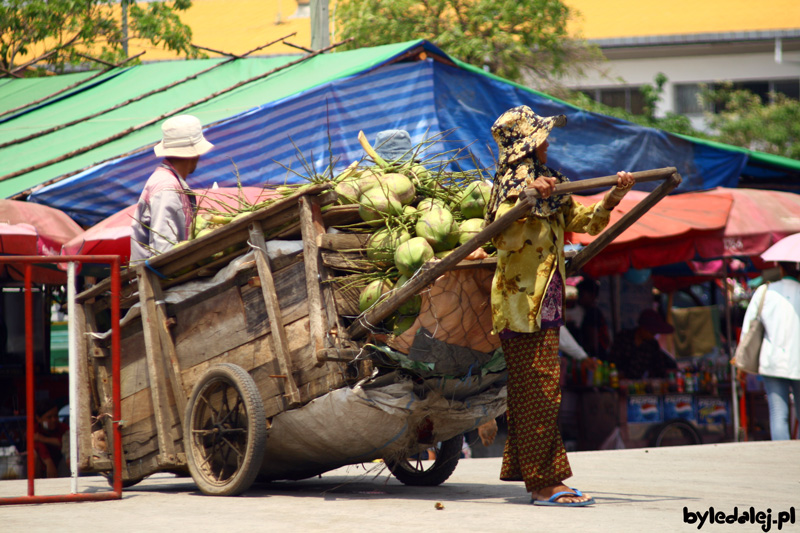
[(230, 375), (683, 426), (126, 483), (445, 464)]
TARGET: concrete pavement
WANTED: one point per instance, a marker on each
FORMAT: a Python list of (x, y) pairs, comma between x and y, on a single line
[(636, 490)]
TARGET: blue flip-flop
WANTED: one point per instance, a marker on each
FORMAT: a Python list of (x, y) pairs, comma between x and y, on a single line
[(551, 501)]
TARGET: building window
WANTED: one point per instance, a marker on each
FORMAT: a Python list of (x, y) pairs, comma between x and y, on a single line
[(628, 98), (687, 102)]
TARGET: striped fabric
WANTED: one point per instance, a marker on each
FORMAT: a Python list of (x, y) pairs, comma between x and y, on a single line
[(319, 125)]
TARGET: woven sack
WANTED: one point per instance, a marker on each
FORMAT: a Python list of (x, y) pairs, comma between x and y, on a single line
[(747, 353)]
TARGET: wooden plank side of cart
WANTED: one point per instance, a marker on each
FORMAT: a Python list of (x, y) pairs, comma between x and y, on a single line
[(167, 348)]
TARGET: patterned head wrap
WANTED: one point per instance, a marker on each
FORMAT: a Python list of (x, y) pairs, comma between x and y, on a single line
[(518, 132)]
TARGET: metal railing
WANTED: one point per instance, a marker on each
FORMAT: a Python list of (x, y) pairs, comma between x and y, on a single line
[(71, 260)]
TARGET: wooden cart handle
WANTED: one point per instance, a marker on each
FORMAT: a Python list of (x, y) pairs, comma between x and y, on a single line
[(433, 269)]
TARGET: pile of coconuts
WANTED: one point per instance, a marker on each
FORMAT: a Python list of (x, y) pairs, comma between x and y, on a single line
[(414, 214)]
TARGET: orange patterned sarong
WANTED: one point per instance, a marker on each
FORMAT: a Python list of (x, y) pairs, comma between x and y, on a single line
[(534, 452)]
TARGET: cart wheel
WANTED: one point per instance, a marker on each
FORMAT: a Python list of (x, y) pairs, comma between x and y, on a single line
[(225, 431), (426, 473), (676, 433)]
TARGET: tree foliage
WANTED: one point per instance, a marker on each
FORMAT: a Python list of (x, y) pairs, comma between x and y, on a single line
[(514, 39), (745, 120), (67, 27)]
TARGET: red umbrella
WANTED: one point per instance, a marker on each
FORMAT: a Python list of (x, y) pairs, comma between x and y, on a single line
[(697, 225), (113, 234), (665, 234)]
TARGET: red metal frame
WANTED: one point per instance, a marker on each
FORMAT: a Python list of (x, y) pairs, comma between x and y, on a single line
[(115, 262)]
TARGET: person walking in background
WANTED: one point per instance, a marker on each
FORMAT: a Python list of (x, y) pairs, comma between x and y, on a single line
[(165, 210), (527, 299), (779, 358)]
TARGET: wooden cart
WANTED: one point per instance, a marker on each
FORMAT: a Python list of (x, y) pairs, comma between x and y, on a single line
[(208, 370), (207, 366)]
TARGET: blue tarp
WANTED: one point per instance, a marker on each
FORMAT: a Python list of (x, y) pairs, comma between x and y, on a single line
[(423, 96)]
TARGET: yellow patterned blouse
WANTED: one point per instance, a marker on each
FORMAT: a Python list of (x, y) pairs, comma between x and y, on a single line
[(528, 252)]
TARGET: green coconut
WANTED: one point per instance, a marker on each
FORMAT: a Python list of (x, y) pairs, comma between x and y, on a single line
[(383, 243), (430, 204), (474, 200), (401, 186), (411, 255), (439, 228), (377, 204), (348, 191), (469, 228), (411, 306), (420, 172), (372, 292), (401, 323), (369, 179)]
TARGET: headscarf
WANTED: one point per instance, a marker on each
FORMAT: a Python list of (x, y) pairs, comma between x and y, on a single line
[(518, 132)]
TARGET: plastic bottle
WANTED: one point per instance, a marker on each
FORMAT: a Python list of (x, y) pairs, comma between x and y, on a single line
[(613, 376), (680, 384), (597, 378), (689, 383)]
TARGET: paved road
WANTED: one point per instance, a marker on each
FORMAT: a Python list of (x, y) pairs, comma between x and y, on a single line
[(637, 490)]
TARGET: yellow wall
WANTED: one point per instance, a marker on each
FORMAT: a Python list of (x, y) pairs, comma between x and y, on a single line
[(602, 19), (237, 26)]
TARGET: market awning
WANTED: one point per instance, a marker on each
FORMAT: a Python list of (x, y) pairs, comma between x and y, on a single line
[(665, 234), (696, 226)]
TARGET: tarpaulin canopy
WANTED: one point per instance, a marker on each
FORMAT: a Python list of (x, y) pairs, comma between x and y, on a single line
[(720, 223), (313, 110)]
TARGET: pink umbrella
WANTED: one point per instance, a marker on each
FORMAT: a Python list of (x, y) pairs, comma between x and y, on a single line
[(113, 234), (27, 228), (758, 219), (786, 249), (52, 228)]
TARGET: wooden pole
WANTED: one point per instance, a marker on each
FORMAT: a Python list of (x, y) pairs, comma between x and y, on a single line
[(432, 270), (96, 60), (69, 87), (320, 24)]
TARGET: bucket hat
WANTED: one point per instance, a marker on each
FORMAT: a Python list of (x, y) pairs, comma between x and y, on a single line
[(182, 137), (519, 131), (392, 145)]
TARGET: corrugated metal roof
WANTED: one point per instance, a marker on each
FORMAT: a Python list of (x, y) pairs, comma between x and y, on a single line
[(698, 38)]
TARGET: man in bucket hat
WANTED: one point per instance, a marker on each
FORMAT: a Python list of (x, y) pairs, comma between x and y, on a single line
[(394, 145), (528, 299), (166, 208)]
